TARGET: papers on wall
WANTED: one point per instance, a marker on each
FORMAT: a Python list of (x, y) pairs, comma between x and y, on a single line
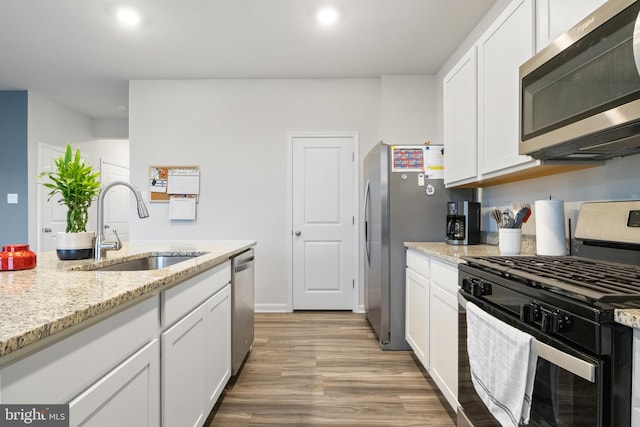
[(184, 181), (182, 207)]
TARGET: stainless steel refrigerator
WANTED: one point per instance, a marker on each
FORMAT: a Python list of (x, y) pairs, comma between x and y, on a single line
[(399, 207)]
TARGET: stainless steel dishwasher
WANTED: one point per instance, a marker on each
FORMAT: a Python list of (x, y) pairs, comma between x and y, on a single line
[(242, 308)]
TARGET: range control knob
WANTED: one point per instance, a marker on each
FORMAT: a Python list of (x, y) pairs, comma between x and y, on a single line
[(475, 287), (466, 284), (480, 288), (553, 322), (529, 313)]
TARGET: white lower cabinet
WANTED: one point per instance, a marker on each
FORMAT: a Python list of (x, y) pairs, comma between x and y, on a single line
[(196, 362), (444, 332), (62, 371), (432, 319), (161, 362), (127, 396), (417, 321)]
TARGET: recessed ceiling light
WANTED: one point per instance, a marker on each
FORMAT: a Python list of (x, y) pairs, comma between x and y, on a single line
[(128, 16), (327, 16)]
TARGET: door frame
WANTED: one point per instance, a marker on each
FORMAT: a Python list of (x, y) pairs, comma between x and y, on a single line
[(291, 136)]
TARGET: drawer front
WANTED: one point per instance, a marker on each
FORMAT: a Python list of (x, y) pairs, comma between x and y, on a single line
[(445, 274), (419, 263), (59, 372), (128, 395), (184, 297)]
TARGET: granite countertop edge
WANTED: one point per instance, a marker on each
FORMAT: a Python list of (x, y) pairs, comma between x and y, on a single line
[(453, 254), (57, 295)]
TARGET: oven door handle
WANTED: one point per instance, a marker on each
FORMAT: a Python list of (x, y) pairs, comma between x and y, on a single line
[(566, 361)]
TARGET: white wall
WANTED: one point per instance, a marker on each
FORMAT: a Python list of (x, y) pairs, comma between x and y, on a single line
[(54, 124), (617, 179), (236, 131), (407, 109)]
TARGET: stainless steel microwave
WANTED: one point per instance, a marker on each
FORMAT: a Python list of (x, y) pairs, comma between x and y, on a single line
[(580, 96)]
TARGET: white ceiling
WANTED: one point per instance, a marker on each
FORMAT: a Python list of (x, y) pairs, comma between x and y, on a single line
[(75, 53)]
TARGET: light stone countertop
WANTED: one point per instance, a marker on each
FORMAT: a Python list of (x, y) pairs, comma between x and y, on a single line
[(452, 253), (56, 295)]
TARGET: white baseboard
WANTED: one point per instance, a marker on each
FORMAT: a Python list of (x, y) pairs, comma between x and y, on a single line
[(271, 308)]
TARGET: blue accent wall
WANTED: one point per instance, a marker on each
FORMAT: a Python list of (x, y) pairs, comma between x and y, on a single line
[(14, 177)]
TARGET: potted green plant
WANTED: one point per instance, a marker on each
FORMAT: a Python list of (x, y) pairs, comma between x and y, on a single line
[(77, 185)]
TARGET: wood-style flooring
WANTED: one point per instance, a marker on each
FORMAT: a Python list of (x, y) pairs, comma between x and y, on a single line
[(326, 368)]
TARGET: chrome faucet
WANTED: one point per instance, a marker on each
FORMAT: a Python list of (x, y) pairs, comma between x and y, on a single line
[(101, 246)]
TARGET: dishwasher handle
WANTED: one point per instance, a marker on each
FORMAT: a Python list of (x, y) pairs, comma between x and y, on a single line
[(244, 261)]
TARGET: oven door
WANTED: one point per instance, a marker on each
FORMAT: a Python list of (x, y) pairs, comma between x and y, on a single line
[(568, 388)]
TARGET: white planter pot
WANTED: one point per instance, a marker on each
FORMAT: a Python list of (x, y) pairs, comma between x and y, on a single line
[(72, 246)]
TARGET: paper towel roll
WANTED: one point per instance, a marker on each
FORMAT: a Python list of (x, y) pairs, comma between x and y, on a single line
[(550, 234)]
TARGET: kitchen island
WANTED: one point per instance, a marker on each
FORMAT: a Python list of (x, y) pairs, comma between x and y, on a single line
[(120, 347)]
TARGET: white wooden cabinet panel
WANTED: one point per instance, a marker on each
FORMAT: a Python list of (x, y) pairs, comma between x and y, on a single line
[(460, 121), (128, 396), (196, 361), (419, 262), (185, 296), (417, 315), (431, 318), (445, 274), (507, 43), (218, 345), (56, 374), (444, 340), (183, 382), (555, 17)]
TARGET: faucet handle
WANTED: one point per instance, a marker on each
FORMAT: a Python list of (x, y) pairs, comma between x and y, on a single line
[(117, 242)]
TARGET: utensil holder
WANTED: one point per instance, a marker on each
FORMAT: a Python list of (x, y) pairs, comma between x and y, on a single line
[(509, 241)]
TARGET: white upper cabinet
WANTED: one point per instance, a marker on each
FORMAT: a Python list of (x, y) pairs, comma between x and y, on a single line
[(555, 17), (460, 121), (507, 43)]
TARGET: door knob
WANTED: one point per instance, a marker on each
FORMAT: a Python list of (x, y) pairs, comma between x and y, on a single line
[(298, 232), (46, 230)]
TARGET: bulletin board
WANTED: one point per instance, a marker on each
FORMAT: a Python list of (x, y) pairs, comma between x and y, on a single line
[(168, 181)]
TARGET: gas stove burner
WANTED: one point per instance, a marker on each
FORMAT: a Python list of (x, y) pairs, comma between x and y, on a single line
[(579, 278)]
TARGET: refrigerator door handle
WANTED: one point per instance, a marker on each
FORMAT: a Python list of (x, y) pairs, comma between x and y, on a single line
[(367, 243)]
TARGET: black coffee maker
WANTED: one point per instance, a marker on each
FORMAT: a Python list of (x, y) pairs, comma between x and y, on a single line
[(463, 223)]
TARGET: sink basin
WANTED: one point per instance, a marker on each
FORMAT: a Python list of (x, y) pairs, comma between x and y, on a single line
[(152, 262)]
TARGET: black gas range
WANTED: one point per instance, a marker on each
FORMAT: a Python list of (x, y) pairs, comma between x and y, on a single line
[(567, 304)]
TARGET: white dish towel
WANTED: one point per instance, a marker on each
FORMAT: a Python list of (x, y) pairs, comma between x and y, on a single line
[(502, 365)]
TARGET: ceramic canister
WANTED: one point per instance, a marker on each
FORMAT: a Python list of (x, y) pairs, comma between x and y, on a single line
[(17, 257)]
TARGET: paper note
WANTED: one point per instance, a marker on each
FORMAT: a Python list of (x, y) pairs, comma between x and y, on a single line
[(182, 208), (158, 180), (184, 181), (434, 162)]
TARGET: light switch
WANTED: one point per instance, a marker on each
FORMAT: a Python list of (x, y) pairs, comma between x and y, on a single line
[(12, 198)]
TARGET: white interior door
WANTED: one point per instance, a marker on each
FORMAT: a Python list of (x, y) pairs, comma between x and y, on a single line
[(323, 222), (116, 201), (52, 217)]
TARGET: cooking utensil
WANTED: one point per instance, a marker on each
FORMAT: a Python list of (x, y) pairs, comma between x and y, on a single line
[(497, 216), (520, 217)]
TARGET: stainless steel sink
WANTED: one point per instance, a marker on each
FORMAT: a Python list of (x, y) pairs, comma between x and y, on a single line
[(152, 262)]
